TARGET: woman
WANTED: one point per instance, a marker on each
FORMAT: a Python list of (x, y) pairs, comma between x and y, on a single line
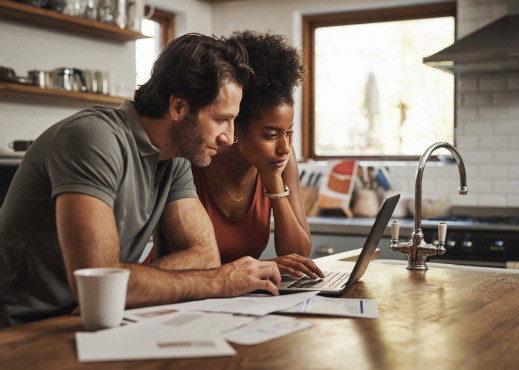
[(258, 174)]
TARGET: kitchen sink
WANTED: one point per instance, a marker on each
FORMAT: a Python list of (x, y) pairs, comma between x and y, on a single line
[(433, 265)]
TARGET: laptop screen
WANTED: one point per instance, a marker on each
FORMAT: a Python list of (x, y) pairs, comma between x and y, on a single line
[(374, 237)]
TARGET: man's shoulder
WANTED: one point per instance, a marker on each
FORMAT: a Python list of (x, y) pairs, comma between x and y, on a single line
[(100, 122), (181, 164), (108, 116)]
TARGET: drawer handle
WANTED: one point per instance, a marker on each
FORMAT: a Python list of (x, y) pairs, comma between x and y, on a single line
[(325, 250)]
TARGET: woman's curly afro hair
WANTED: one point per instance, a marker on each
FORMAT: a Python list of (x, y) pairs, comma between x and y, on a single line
[(279, 70)]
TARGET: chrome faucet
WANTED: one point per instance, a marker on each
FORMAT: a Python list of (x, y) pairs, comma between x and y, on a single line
[(417, 249)]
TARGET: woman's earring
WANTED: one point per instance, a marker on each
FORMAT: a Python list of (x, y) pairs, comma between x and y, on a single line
[(235, 139)]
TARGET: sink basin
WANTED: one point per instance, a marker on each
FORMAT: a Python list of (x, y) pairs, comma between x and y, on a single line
[(432, 265)]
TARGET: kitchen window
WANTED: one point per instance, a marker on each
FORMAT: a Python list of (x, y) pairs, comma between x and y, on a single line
[(368, 94), (161, 28)]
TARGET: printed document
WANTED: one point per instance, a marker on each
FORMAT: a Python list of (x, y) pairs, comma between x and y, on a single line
[(265, 328), (199, 321), (137, 342), (340, 307), (249, 304)]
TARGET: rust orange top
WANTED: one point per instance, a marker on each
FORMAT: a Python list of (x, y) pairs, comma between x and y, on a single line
[(247, 236)]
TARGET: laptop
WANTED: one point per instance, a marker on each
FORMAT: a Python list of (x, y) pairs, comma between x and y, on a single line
[(336, 283)]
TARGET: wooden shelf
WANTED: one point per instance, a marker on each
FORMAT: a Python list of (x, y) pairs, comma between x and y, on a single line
[(55, 95), (48, 18)]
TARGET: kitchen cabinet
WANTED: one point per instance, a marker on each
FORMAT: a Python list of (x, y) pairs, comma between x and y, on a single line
[(34, 16)]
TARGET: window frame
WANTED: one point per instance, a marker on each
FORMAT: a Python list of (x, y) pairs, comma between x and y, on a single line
[(166, 23), (312, 22)]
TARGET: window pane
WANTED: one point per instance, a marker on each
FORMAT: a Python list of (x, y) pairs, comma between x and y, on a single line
[(147, 50), (374, 95)]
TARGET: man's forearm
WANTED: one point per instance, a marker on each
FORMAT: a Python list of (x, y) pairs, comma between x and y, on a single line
[(193, 258), (149, 285)]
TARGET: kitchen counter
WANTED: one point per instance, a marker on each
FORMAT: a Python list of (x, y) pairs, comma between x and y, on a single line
[(437, 319), (361, 226)]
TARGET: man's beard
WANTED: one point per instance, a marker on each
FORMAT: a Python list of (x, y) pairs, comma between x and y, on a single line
[(190, 142)]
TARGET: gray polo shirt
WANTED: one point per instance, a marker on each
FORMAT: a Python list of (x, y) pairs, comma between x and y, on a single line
[(100, 151)]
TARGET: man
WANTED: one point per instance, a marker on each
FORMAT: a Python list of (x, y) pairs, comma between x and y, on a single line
[(93, 187)]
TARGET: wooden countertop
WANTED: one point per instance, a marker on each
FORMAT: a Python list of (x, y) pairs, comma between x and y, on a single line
[(438, 319)]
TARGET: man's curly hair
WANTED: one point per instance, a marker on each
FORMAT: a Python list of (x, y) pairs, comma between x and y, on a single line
[(279, 69)]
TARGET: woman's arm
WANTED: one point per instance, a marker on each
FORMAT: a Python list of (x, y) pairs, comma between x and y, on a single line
[(291, 233)]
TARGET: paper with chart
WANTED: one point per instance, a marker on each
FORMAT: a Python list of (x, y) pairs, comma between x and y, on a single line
[(340, 307), (138, 342)]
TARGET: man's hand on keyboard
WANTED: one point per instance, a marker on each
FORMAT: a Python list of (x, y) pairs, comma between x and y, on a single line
[(297, 265)]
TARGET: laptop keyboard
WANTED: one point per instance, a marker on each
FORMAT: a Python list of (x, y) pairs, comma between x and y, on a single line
[(331, 280)]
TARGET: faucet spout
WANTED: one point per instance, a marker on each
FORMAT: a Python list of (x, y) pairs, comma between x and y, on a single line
[(419, 174), (417, 250)]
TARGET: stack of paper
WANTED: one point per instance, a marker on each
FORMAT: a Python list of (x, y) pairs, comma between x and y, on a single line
[(203, 328)]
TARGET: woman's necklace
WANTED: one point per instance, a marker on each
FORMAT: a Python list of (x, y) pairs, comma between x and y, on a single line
[(244, 192)]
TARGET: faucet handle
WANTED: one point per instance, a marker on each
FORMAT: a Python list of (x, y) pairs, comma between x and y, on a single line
[(442, 232), (395, 230)]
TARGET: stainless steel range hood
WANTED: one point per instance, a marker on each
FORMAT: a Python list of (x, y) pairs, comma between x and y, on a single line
[(493, 48)]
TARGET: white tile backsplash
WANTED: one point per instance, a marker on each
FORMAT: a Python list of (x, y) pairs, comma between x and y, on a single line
[(493, 84), (512, 201), (513, 173), (494, 142), (466, 113), (506, 187), (506, 98), (507, 127), (477, 99), (467, 85), (469, 142), (507, 157), (492, 200), (493, 113), (480, 186), (513, 113)]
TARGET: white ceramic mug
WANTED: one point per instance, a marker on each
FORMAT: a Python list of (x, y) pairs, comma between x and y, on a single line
[(102, 296)]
